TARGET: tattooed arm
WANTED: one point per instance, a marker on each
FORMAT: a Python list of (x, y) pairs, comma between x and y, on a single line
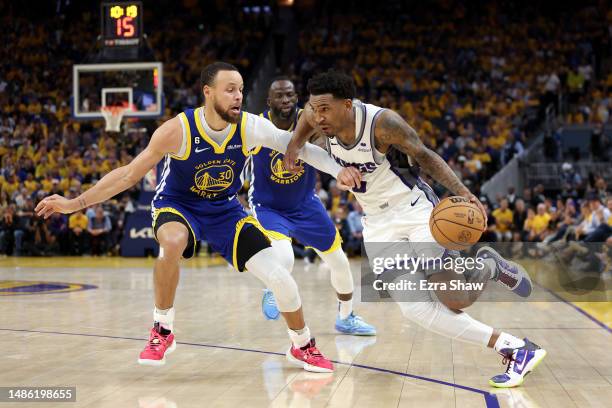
[(392, 130)]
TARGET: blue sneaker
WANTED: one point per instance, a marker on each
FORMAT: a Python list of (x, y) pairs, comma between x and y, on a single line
[(268, 306), (521, 361), (354, 325), (508, 274)]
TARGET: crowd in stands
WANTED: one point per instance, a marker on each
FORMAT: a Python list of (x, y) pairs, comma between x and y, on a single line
[(474, 93), (529, 221), (573, 228), (43, 151)]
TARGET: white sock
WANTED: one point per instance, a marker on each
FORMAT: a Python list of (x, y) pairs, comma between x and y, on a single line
[(165, 317), (490, 263), (346, 307), (300, 337), (506, 341)]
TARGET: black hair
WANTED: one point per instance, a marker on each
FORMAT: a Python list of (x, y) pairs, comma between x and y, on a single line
[(340, 85), (209, 72)]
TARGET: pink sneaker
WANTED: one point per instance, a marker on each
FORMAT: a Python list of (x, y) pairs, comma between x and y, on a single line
[(154, 353), (309, 358)]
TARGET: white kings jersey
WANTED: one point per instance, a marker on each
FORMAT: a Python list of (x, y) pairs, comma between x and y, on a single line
[(382, 185)]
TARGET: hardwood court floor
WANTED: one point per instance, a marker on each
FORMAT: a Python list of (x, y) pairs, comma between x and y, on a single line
[(228, 355)]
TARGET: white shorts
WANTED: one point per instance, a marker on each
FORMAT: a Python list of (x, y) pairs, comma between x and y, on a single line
[(405, 221)]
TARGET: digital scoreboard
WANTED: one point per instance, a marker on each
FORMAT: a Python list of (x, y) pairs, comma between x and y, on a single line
[(122, 23)]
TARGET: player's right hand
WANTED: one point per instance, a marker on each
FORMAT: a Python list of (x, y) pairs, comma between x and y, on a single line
[(55, 204), (348, 178)]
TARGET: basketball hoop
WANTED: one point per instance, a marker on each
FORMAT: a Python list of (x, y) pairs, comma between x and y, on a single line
[(113, 116)]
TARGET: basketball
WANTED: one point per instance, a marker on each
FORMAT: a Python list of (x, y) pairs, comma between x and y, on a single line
[(456, 223)]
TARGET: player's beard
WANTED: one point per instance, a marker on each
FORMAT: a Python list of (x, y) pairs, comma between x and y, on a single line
[(284, 116), (226, 115)]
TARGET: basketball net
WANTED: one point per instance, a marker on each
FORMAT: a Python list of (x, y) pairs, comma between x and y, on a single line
[(113, 116)]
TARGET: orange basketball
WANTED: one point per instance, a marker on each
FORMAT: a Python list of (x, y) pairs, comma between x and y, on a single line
[(456, 223)]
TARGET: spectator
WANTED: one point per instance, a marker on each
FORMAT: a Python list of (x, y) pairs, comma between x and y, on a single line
[(562, 229), (528, 225), (511, 196), (339, 218), (24, 228), (513, 147), (539, 225), (321, 193), (601, 187), (77, 224), (552, 85), (99, 227), (8, 224), (518, 220), (528, 197), (58, 226), (538, 195), (44, 241), (335, 198), (503, 221), (603, 231), (571, 182), (584, 225), (489, 235), (598, 215), (356, 229)]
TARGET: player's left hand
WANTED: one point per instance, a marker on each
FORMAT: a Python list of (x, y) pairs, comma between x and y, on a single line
[(290, 157), (475, 200), (348, 178)]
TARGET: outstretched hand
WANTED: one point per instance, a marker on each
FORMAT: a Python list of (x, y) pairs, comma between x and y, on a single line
[(55, 204), (290, 158)]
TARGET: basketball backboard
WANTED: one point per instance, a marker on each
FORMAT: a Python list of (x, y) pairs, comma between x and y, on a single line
[(138, 85)]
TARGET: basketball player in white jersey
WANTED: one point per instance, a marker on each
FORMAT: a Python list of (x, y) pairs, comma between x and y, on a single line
[(397, 208), (211, 142)]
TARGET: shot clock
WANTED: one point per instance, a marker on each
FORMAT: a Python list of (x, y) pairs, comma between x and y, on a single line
[(121, 23)]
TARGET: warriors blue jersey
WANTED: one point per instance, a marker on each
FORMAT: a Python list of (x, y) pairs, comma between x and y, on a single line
[(275, 187), (200, 186), (207, 173)]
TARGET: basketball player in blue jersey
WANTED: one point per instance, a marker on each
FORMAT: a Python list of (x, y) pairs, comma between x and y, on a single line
[(287, 207), (397, 209), (204, 151)]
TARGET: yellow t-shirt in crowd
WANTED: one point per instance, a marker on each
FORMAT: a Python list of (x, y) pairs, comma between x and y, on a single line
[(32, 186), (47, 185), (335, 203), (77, 221), (10, 188), (540, 222), (41, 170), (503, 219)]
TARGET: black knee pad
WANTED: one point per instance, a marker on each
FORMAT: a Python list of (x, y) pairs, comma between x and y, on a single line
[(250, 241), (166, 217)]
